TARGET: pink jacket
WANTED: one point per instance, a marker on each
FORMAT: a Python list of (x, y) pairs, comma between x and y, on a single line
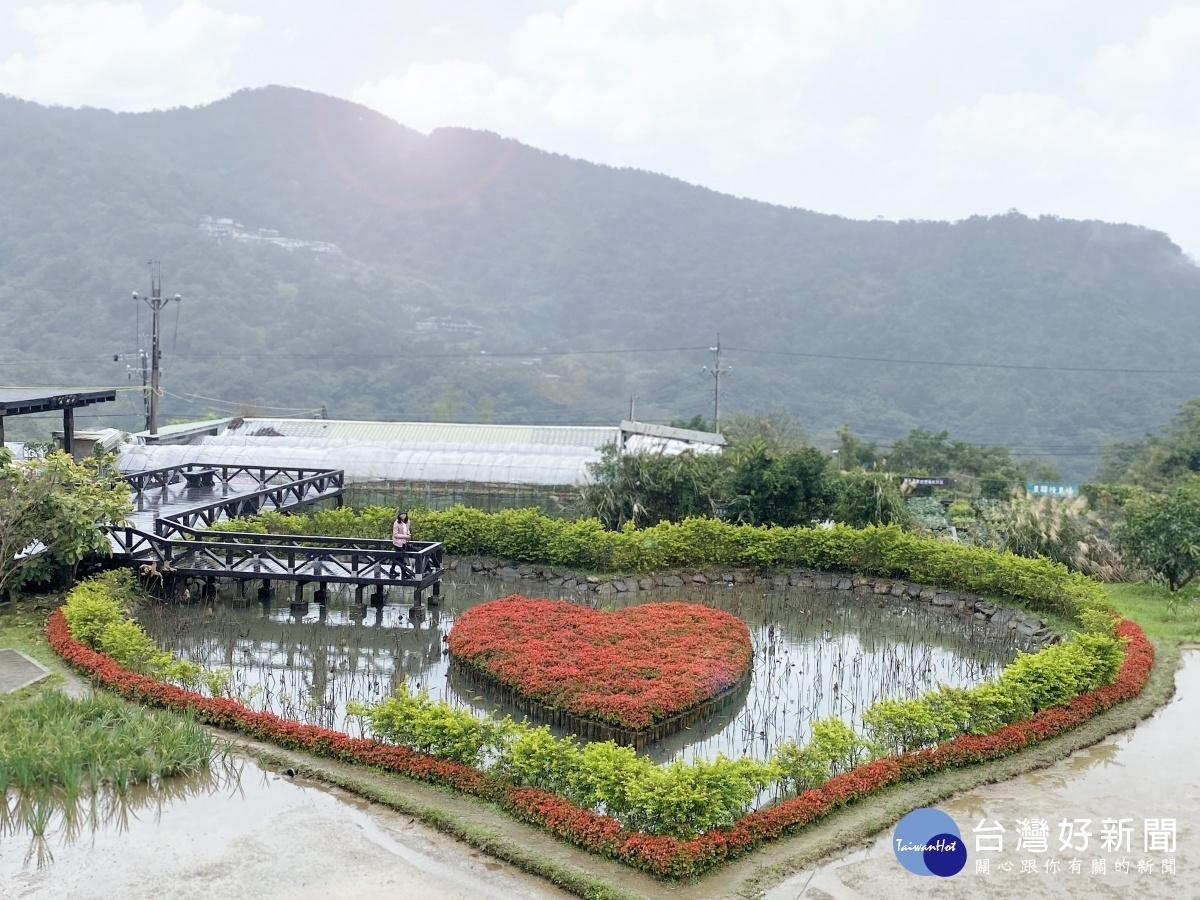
[(400, 533)]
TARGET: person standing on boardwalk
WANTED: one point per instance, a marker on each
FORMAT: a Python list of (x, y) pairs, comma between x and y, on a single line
[(401, 532)]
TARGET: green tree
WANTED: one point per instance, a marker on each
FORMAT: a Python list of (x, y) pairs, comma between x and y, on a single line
[(57, 506), (777, 430), (868, 498), (777, 488), (852, 452), (1163, 533), (695, 423), (1154, 461), (647, 488), (933, 452)]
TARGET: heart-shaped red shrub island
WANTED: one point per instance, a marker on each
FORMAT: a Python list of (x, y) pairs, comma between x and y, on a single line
[(633, 667)]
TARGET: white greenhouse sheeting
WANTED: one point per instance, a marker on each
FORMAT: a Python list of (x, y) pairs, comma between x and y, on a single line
[(379, 460), (413, 451)]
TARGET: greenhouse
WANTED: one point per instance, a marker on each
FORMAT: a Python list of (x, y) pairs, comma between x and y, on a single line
[(413, 452)]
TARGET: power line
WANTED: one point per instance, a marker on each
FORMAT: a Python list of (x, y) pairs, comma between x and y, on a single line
[(966, 365)]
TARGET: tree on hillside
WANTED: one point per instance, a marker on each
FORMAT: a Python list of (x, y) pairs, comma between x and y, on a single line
[(926, 451), (1163, 533), (695, 423), (1154, 461), (777, 430), (57, 504)]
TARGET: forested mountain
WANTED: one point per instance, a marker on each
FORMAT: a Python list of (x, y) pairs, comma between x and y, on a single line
[(550, 257)]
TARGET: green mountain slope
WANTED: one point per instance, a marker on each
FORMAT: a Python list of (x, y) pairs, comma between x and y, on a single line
[(549, 254)]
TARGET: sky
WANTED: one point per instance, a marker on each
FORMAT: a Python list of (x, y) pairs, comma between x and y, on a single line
[(901, 109)]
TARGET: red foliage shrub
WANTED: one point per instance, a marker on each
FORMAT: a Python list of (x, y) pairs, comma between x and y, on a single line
[(632, 667)]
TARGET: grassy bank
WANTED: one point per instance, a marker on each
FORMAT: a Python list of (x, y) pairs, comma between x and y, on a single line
[(1151, 606), (58, 753)]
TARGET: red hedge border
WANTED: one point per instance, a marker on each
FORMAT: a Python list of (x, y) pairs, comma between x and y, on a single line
[(658, 854)]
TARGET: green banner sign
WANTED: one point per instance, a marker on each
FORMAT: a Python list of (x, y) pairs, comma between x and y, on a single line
[(1051, 489)]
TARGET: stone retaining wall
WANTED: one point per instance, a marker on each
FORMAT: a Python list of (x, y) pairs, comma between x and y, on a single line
[(1028, 626)]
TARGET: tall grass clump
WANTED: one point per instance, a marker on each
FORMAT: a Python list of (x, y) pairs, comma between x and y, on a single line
[(54, 743)]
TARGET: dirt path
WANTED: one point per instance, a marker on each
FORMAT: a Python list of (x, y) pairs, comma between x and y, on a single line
[(1146, 774)]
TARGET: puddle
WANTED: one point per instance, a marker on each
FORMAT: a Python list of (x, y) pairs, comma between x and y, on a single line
[(1147, 777), (258, 835), (816, 654)]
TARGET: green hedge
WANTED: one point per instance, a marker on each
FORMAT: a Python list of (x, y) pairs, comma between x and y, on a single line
[(526, 535), (96, 611)]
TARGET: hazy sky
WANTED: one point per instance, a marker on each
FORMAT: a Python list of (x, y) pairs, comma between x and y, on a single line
[(924, 109)]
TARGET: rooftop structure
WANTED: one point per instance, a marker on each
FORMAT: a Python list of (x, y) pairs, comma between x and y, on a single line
[(18, 401)]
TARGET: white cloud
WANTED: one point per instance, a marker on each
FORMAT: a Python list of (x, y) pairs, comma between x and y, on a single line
[(115, 55), (451, 92), (1159, 71), (628, 71), (1041, 154)]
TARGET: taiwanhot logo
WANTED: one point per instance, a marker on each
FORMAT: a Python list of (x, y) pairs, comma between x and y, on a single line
[(927, 842)]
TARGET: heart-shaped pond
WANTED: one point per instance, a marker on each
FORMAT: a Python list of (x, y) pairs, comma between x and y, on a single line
[(815, 653)]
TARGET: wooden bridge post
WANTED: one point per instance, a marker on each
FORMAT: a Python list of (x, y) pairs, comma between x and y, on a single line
[(377, 598), (435, 594), (321, 596), (299, 604), (417, 598)]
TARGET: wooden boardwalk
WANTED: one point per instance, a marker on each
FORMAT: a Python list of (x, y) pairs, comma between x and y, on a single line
[(173, 507)]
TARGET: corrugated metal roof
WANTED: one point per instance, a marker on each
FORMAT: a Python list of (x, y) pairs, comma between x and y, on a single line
[(430, 432), (184, 429)]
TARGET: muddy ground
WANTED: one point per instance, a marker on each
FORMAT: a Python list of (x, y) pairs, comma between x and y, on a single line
[(1149, 773), (262, 836)]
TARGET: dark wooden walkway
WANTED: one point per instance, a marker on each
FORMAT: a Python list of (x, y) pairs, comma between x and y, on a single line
[(173, 507)]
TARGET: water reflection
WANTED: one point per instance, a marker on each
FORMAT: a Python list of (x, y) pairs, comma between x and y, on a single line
[(42, 815), (816, 653)]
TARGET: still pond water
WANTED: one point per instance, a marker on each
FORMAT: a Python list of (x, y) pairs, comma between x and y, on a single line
[(816, 654)]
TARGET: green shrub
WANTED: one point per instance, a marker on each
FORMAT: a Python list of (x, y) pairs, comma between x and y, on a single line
[(536, 758), (683, 799), (961, 511), (868, 498), (995, 486), (605, 775), (95, 611), (413, 720), (897, 726), (1053, 676), (992, 707), (89, 610), (127, 642), (833, 748)]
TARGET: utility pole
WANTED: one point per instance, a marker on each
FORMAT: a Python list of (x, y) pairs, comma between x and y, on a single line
[(156, 302), (144, 368), (717, 372), (632, 400)]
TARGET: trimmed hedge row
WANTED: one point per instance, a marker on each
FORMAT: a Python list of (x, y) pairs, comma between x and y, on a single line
[(526, 535)]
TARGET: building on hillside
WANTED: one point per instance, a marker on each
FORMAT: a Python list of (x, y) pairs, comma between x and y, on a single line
[(419, 463)]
